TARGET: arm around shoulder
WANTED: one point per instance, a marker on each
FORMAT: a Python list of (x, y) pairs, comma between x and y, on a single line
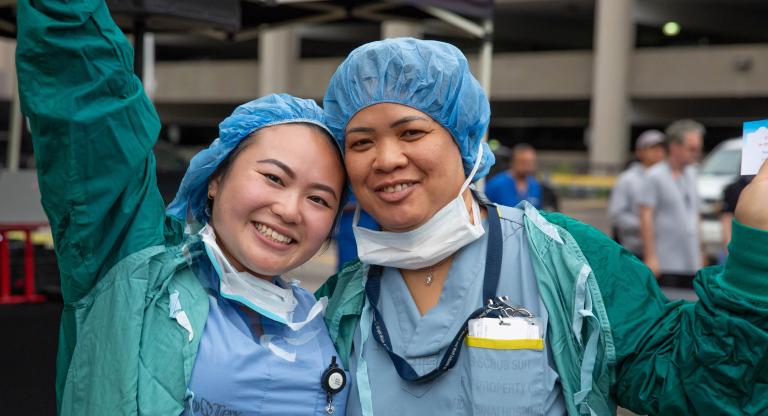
[(678, 357), (746, 270)]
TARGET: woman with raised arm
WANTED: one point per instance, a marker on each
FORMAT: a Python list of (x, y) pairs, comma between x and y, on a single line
[(184, 314)]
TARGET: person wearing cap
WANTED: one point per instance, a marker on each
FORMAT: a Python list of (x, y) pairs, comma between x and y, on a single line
[(462, 307), (622, 206), (184, 311), (669, 208)]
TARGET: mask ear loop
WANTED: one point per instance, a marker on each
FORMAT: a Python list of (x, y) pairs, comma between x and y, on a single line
[(475, 207), (474, 169)]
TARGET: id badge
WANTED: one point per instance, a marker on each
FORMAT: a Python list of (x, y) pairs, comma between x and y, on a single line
[(506, 333)]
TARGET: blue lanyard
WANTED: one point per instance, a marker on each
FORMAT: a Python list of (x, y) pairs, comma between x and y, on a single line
[(451, 355)]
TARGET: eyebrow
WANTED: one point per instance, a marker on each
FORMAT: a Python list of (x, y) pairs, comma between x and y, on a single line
[(292, 174), (403, 120), (281, 165), (360, 130), (406, 120), (325, 188)]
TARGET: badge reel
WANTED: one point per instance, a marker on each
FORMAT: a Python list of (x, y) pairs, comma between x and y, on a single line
[(333, 381)]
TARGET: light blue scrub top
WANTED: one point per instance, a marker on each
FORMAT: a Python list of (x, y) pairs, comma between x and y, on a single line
[(484, 381), (237, 373)]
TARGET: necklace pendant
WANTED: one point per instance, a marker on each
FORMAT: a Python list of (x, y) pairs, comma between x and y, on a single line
[(428, 279)]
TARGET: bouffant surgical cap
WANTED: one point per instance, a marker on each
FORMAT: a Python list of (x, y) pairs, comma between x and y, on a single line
[(191, 199), (432, 77)]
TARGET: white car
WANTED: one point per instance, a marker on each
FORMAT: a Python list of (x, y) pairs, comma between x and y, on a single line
[(718, 170)]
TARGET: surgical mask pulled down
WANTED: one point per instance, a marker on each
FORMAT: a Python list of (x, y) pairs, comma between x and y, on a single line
[(266, 298), (442, 235)]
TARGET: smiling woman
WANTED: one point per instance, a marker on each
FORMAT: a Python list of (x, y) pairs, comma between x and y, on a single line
[(182, 313), (272, 207), (403, 165), (508, 310)]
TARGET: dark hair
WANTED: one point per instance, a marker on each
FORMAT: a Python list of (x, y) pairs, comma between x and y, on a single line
[(221, 171), (518, 148)]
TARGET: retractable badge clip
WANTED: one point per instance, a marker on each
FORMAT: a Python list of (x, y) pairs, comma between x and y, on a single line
[(333, 381)]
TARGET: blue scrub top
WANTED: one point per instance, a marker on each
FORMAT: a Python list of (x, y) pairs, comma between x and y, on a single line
[(502, 189), (278, 373), (484, 381)]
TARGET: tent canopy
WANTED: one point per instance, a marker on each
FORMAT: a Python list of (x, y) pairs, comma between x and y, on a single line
[(234, 16)]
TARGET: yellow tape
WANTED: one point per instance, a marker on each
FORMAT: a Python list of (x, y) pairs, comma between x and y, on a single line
[(38, 237), (506, 344)]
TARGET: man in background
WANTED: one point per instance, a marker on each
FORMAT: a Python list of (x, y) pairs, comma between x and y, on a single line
[(669, 208), (519, 182), (622, 207)]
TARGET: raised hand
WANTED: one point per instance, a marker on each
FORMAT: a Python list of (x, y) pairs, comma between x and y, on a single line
[(752, 208)]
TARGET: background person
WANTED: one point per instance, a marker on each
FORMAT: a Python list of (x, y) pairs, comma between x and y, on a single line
[(622, 206), (519, 183), (345, 238), (669, 208)]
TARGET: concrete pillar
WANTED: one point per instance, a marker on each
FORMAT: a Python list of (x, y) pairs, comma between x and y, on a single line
[(401, 29), (149, 80), (278, 57), (14, 130), (8, 87), (609, 121)]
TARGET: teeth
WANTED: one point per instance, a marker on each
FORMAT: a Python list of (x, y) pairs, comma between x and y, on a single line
[(397, 188), (272, 234)]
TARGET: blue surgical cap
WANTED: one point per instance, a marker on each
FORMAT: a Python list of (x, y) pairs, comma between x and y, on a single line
[(191, 199), (432, 77)]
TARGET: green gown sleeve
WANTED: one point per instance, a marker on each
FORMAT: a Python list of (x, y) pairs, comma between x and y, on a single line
[(93, 130), (679, 357)]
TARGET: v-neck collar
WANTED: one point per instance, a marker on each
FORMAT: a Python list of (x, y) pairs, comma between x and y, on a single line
[(426, 335)]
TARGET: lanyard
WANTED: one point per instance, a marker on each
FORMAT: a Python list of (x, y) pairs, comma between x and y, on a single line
[(451, 355)]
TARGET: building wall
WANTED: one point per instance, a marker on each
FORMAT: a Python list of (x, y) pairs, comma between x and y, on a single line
[(685, 72)]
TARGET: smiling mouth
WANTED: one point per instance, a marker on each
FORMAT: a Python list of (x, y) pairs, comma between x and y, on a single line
[(395, 188), (273, 235)]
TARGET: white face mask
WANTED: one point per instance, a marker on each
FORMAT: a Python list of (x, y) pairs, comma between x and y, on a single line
[(266, 298), (442, 235)]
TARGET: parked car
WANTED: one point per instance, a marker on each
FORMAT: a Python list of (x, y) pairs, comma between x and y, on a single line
[(719, 169)]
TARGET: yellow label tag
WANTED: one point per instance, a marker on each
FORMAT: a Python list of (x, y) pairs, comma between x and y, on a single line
[(506, 344)]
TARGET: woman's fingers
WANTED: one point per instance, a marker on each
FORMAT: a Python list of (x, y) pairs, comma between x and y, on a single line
[(752, 208)]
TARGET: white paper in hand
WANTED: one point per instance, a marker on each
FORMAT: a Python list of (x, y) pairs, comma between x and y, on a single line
[(754, 150)]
